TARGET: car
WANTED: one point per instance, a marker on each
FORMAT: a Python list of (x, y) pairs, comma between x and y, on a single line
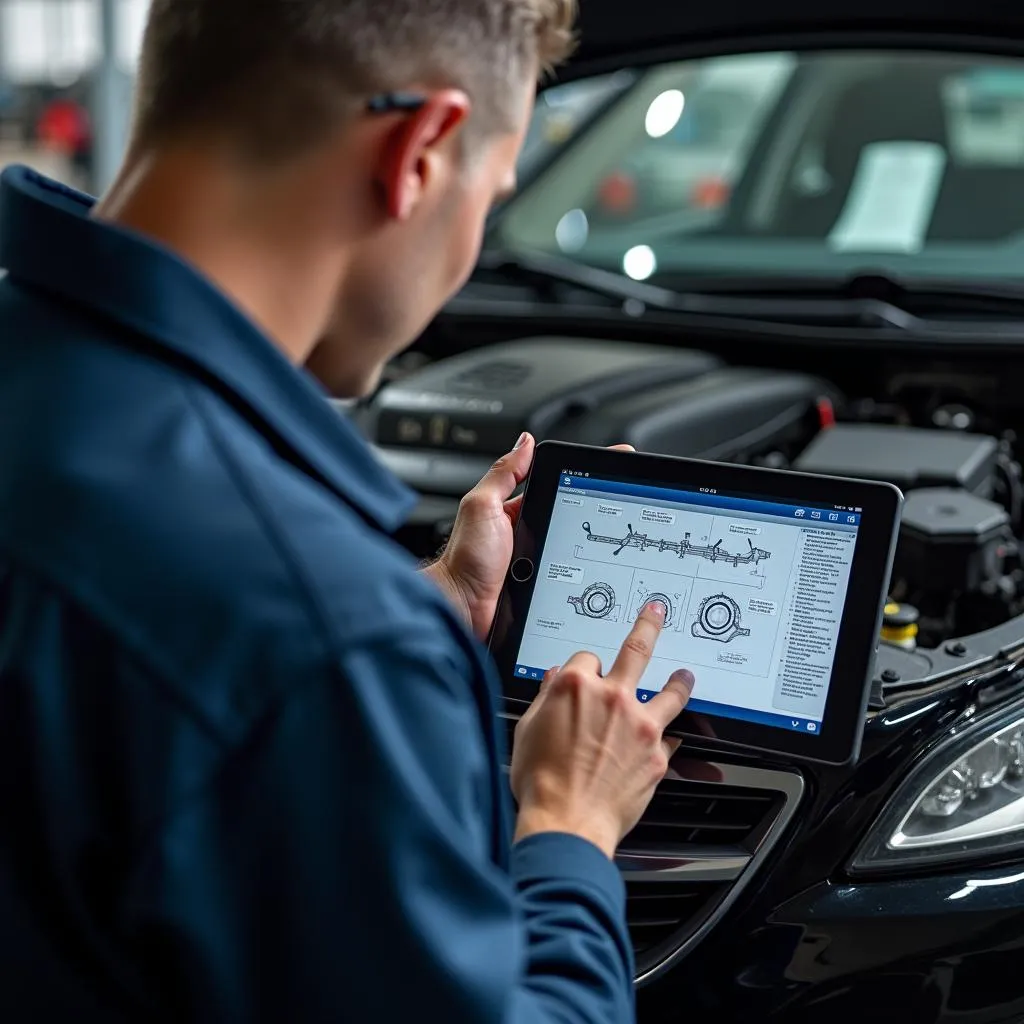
[(696, 131), (845, 297), (805, 169)]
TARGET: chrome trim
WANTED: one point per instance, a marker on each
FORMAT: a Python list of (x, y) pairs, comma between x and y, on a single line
[(709, 864), (660, 867)]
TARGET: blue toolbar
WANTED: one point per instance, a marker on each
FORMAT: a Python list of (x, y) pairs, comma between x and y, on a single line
[(807, 513), (811, 726)]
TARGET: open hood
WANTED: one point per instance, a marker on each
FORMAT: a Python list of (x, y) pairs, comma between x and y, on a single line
[(614, 32)]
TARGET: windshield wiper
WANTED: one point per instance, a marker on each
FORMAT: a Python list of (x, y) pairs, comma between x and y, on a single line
[(552, 275), (775, 300), (901, 303), (867, 300)]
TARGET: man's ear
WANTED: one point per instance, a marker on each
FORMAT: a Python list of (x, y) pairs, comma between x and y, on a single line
[(416, 148)]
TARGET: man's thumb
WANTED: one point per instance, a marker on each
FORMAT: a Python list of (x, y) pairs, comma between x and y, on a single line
[(512, 469), (520, 458), (501, 480)]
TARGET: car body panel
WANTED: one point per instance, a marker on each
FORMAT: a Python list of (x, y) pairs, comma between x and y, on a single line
[(936, 957)]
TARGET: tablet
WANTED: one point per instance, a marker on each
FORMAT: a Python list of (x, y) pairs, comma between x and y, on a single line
[(773, 585)]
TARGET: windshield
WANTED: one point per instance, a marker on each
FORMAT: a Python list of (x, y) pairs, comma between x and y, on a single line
[(801, 164), (560, 113)]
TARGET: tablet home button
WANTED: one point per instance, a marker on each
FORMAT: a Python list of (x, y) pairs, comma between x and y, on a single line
[(522, 570)]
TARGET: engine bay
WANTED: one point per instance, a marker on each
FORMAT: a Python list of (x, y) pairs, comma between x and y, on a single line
[(959, 571)]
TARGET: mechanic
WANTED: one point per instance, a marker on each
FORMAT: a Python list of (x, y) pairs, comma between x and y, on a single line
[(249, 768)]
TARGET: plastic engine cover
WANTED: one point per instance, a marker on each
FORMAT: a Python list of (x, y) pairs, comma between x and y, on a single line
[(479, 402), (726, 415)]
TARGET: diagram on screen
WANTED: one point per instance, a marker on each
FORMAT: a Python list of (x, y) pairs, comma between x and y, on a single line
[(712, 552), (719, 619), (672, 601), (596, 602)]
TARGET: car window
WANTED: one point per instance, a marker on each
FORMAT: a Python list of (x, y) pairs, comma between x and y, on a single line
[(562, 111), (805, 163)]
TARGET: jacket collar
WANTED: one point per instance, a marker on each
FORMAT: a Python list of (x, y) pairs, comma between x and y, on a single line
[(49, 241)]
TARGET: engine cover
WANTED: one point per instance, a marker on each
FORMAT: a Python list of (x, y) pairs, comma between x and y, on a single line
[(440, 428), (951, 540), (908, 457), (730, 414), (480, 402)]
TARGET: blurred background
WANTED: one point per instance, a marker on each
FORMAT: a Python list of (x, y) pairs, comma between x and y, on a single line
[(66, 71)]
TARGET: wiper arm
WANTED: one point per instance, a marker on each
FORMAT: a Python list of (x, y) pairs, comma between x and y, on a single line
[(901, 303), (742, 300), (546, 272)]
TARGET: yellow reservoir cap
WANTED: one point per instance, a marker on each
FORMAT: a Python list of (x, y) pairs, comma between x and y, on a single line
[(899, 623), (899, 634)]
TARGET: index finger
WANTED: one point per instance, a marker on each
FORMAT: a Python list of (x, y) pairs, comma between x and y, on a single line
[(637, 648)]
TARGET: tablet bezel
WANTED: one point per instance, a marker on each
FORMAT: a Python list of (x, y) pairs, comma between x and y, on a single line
[(843, 720)]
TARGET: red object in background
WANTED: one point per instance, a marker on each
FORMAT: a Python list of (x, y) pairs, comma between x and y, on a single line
[(64, 126), (617, 193), (710, 193), (826, 414)]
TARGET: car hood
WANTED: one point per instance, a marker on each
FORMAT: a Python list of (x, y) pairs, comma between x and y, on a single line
[(613, 32)]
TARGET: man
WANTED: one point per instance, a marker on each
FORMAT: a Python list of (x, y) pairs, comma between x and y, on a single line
[(248, 763)]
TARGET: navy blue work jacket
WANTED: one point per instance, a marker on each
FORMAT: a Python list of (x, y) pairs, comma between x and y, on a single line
[(248, 764)]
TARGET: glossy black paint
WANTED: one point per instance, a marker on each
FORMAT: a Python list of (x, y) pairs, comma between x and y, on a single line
[(808, 938), (913, 950)]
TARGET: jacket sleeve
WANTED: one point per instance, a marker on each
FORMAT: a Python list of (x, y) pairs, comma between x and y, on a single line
[(340, 868)]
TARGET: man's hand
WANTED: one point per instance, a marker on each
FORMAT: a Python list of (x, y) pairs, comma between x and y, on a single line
[(588, 755), (473, 567)]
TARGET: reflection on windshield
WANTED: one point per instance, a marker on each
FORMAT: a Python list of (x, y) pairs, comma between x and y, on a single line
[(770, 164), (562, 111)]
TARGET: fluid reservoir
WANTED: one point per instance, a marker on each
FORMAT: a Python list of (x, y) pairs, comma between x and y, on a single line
[(899, 625)]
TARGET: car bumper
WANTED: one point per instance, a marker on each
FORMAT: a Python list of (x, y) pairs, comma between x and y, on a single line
[(921, 951)]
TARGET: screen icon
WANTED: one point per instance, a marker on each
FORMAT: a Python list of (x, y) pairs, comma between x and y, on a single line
[(815, 515), (812, 727), (522, 671), (851, 519), (799, 513), (568, 481), (833, 517), (795, 723)]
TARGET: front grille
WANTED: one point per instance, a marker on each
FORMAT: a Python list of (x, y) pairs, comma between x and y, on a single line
[(704, 814), (695, 848), (689, 819), (655, 912)]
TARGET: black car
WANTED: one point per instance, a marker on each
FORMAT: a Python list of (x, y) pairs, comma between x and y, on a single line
[(836, 286)]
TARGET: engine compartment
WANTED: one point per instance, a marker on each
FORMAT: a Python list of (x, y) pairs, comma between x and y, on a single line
[(958, 568), (439, 424)]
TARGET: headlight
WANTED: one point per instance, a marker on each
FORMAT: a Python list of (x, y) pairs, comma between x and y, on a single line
[(966, 800)]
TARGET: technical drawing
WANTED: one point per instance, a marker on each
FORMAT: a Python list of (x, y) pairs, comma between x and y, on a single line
[(718, 619), (712, 552), (596, 602)]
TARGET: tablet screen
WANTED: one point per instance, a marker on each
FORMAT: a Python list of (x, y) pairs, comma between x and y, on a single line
[(753, 592)]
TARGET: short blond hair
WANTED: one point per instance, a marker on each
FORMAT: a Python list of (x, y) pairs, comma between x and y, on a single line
[(275, 76)]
